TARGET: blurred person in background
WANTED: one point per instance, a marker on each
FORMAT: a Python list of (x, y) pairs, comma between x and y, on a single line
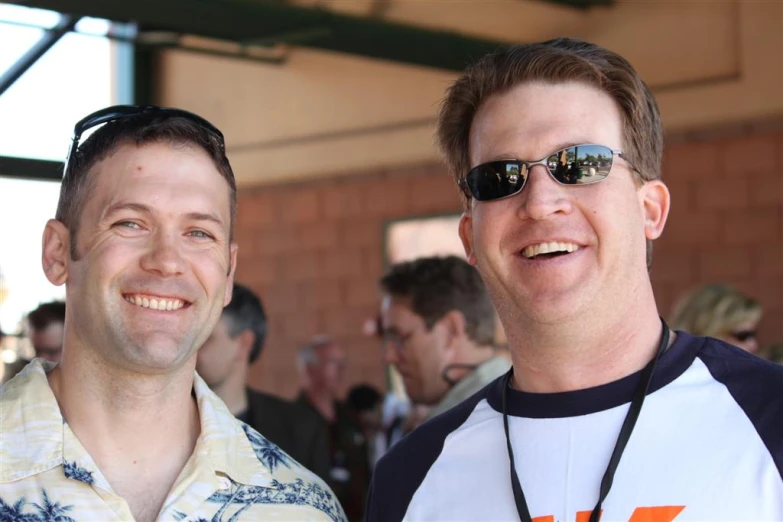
[(722, 312), (321, 364), (438, 325), (223, 361), (46, 324), (366, 405), (45, 327)]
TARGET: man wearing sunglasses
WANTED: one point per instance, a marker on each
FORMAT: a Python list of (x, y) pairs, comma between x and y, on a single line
[(606, 413), (122, 428)]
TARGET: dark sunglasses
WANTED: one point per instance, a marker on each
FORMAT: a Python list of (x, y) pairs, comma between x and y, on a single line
[(744, 335), (577, 165), (118, 112)]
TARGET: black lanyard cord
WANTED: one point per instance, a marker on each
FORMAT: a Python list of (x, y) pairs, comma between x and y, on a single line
[(622, 440)]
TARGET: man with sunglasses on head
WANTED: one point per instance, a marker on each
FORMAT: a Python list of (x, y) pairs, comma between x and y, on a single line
[(122, 428), (606, 413)]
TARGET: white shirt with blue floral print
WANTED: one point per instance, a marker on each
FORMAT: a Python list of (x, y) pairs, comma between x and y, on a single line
[(234, 473)]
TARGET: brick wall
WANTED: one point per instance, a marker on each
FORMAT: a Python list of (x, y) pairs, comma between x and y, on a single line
[(314, 250)]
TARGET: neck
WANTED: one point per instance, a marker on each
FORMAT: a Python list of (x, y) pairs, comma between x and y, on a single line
[(133, 425), (233, 390), (323, 402), (582, 353)]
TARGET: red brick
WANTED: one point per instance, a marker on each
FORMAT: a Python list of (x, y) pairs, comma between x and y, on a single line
[(256, 270), (339, 264), (255, 210), (318, 235), (343, 200), (301, 327), (373, 263), (752, 226), (673, 265), (723, 194), (343, 321), (319, 295), (361, 233), (768, 259), (248, 241), (683, 161), (717, 264), (387, 197), (767, 189), (434, 193), (274, 241), (281, 298), (681, 198), (299, 266), (702, 228), (300, 205), (361, 292), (750, 155), (771, 327)]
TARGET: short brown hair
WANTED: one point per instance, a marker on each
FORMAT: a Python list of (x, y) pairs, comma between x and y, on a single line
[(437, 285), (556, 61), (139, 129), (46, 314)]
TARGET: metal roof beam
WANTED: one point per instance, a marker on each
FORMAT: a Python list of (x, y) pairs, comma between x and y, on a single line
[(49, 38)]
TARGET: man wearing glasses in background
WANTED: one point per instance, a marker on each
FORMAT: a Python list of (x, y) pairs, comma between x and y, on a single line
[(122, 429), (438, 327), (567, 434)]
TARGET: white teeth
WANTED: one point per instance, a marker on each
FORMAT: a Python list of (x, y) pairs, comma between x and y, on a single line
[(548, 248), (155, 303)]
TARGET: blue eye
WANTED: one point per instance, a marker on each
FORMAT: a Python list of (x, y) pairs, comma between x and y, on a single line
[(200, 234), (128, 224)]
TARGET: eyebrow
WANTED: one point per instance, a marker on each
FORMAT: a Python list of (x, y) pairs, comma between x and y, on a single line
[(501, 157), (144, 209)]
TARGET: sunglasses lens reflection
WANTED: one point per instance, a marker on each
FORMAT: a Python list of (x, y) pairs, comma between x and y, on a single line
[(580, 165)]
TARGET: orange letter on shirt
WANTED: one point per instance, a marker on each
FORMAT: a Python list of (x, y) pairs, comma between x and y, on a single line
[(656, 514)]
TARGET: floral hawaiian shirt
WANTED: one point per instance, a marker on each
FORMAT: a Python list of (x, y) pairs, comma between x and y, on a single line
[(234, 473)]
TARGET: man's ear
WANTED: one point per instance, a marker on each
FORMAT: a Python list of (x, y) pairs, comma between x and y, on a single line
[(453, 325), (232, 254), (55, 252), (246, 340), (466, 235), (656, 201)]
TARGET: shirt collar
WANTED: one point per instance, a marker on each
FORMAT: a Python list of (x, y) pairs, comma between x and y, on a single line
[(32, 424), (225, 442), (34, 427)]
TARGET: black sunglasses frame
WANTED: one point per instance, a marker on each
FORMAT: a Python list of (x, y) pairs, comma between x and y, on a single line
[(464, 185), (118, 112), (744, 335)]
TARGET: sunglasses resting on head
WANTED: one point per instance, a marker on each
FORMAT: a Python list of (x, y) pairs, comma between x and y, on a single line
[(575, 165)]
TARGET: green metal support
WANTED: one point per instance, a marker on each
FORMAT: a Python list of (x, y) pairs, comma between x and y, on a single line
[(259, 22), (42, 170)]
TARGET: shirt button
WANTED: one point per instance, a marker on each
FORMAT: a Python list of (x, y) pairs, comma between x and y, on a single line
[(225, 483)]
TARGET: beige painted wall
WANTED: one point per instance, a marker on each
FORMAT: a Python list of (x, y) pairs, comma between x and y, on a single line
[(323, 113)]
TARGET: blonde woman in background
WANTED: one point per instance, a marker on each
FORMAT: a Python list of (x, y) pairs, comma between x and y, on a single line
[(719, 311)]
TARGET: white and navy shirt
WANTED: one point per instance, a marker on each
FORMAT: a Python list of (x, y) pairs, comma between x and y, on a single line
[(708, 446)]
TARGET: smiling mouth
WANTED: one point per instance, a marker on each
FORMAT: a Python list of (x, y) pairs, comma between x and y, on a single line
[(549, 250), (155, 302)]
